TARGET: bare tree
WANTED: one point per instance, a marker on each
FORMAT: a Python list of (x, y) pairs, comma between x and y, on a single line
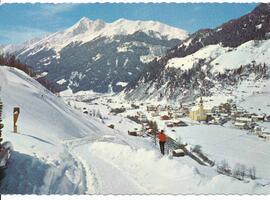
[(252, 172), (239, 171), (243, 171), (224, 167)]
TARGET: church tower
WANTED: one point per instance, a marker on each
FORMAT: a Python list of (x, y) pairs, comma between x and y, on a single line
[(201, 114), (201, 104)]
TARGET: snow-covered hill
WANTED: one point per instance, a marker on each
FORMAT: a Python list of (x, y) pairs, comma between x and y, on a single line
[(41, 164), (225, 58), (94, 55)]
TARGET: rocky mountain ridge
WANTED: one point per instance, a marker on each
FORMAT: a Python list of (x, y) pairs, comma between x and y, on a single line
[(99, 56)]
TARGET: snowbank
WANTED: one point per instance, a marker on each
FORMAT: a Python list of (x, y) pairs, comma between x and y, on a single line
[(167, 176), (41, 164)]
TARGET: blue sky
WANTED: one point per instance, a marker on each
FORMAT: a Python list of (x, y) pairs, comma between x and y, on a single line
[(19, 22)]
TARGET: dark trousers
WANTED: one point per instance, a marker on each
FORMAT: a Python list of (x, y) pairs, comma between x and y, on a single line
[(162, 144)]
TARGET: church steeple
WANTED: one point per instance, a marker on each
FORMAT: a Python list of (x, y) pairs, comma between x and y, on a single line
[(201, 102)]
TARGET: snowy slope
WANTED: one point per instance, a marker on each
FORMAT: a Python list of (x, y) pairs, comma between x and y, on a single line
[(245, 54), (225, 58), (225, 143), (209, 52), (210, 61), (41, 163), (36, 103), (254, 96)]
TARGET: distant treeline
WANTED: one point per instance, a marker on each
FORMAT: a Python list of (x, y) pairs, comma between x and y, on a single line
[(12, 61)]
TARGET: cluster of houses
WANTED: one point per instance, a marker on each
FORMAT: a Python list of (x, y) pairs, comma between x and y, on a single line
[(166, 112), (169, 114), (263, 132), (217, 115), (229, 111), (254, 123)]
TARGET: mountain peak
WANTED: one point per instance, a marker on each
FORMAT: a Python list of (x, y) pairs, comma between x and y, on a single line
[(120, 20), (85, 24), (84, 20), (125, 26)]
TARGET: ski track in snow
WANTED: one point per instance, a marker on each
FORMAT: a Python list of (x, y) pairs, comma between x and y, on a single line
[(106, 178), (98, 179), (91, 181)]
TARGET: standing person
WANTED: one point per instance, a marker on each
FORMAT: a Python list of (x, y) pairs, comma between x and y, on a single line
[(162, 140)]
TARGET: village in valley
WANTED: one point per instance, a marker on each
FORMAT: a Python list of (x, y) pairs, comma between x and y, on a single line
[(185, 114)]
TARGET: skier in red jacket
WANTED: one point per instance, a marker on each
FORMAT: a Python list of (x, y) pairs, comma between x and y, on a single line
[(162, 140)]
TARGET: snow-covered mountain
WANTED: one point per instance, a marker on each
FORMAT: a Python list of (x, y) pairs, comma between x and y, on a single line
[(86, 30), (13, 48), (99, 56), (210, 61)]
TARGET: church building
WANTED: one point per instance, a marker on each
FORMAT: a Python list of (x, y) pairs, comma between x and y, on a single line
[(198, 113)]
